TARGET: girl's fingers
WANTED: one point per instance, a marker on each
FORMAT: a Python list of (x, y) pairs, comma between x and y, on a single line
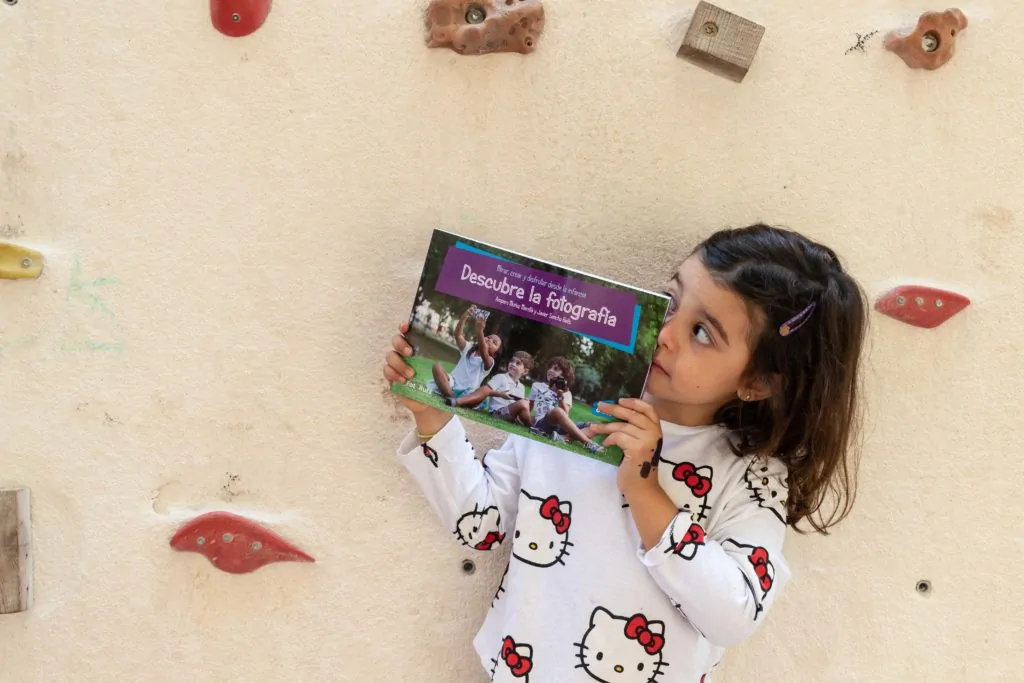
[(392, 376), (642, 407), (399, 344), (612, 409), (624, 413), (616, 428), (623, 440), (398, 366)]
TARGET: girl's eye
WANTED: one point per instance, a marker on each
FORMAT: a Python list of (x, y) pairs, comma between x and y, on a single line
[(700, 333)]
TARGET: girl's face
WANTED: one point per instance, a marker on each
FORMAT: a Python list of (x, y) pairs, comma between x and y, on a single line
[(703, 349), (493, 343), (553, 372), (515, 368)]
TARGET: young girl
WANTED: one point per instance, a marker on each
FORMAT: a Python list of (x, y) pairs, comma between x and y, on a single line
[(503, 390), (649, 571), (475, 360)]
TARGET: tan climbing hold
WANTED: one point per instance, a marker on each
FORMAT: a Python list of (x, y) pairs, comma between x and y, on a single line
[(19, 263), (931, 43), (482, 27)]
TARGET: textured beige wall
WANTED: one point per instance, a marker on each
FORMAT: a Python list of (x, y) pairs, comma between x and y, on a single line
[(233, 228)]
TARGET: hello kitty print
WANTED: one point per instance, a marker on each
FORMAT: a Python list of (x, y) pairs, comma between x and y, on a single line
[(622, 649), (769, 487), (541, 538), (514, 662), (480, 529), (689, 487), (685, 544), (759, 560)]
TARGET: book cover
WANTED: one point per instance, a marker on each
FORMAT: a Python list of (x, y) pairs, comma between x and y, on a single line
[(527, 346)]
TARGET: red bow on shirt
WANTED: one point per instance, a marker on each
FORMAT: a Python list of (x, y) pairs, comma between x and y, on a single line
[(687, 473), (517, 663), (490, 539), (431, 454), (549, 510), (637, 629), (759, 558), (695, 534)]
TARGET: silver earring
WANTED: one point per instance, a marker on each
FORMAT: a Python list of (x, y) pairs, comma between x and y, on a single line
[(748, 396)]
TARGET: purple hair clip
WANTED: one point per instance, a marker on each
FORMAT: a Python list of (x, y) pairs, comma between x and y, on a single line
[(797, 321)]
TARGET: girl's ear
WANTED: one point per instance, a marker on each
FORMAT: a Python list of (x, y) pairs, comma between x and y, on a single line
[(759, 388)]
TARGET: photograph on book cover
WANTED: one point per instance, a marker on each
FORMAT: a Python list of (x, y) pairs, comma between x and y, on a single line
[(525, 345)]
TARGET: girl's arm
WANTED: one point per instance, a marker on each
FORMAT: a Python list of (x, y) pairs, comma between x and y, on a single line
[(484, 353), (724, 579), (459, 339), (475, 502)]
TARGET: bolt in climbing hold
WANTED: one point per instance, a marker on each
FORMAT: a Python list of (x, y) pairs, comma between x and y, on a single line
[(475, 15), (910, 304), (237, 18), (19, 263), (214, 535)]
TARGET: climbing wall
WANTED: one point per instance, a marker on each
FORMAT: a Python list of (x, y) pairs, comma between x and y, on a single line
[(212, 218)]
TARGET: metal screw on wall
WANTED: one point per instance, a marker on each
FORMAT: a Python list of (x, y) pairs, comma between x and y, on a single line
[(924, 586), (468, 566), (11, 2), (475, 15), (710, 28), (236, 17)]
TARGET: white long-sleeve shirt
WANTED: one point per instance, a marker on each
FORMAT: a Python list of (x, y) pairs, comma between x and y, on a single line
[(581, 600)]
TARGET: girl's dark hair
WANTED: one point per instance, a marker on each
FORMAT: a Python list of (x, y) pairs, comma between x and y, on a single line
[(811, 418), (563, 364)]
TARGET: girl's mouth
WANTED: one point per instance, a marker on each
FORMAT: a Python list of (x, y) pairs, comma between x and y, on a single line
[(655, 366)]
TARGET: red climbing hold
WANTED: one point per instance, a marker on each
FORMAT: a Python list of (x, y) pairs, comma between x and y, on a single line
[(237, 18), (235, 544), (921, 306)]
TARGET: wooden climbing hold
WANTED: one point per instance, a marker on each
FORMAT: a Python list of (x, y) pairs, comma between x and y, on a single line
[(721, 42), (931, 43), (15, 551), (234, 544), (19, 263), (237, 18), (921, 306)]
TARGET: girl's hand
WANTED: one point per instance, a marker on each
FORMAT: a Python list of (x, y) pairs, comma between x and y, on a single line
[(397, 370), (639, 436)]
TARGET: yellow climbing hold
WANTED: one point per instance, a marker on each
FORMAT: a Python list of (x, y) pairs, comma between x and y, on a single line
[(19, 263)]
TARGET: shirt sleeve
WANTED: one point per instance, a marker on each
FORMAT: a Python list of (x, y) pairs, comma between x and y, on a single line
[(726, 578), (476, 501)]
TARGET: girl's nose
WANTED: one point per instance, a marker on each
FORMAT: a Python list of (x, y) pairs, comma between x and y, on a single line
[(666, 336)]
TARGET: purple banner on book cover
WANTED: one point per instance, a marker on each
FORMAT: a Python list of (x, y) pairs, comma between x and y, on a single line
[(494, 283)]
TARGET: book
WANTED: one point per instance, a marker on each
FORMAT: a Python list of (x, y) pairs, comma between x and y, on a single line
[(528, 346)]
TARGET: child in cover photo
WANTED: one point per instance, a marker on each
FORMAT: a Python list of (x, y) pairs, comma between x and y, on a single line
[(504, 390), (475, 360), (550, 402)]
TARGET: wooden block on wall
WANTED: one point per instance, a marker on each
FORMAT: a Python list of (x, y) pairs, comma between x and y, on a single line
[(721, 42), (15, 551)]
